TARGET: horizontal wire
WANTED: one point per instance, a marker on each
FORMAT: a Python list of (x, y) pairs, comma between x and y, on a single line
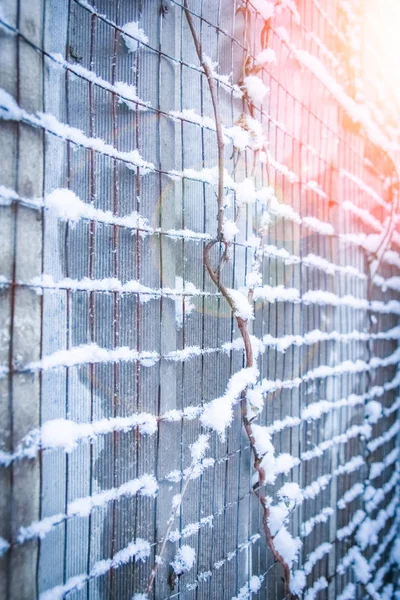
[(48, 436), (110, 23), (147, 485)]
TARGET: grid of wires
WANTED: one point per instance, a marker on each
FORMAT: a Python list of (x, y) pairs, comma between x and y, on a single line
[(116, 338)]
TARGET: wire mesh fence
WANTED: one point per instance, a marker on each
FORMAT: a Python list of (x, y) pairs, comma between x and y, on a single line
[(115, 340)]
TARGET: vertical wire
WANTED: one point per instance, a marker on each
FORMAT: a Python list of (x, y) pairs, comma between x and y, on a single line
[(115, 265), (13, 298), (43, 40)]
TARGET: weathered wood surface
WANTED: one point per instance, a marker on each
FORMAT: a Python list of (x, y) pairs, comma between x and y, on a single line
[(34, 163)]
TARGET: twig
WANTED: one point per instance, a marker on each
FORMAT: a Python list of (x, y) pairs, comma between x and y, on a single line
[(171, 520), (218, 121), (387, 237)]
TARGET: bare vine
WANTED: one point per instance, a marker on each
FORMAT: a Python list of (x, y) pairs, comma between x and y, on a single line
[(215, 273), (388, 233)]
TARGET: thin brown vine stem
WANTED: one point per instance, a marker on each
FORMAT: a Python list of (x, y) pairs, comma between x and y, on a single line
[(218, 121), (242, 325), (171, 521), (388, 234), (387, 237)]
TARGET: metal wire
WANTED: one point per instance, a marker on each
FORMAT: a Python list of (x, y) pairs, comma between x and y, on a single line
[(309, 134)]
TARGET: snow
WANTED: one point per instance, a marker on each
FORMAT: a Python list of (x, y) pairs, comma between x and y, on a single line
[(290, 492), (253, 279), (282, 253), (287, 546), (313, 260), (111, 284), (91, 354), (255, 88), (349, 592), (245, 192), (206, 175), (184, 559), (319, 226), (183, 308), (395, 553), (284, 463), (324, 371), (198, 448), (268, 465), (126, 92), (255, 583), (82, 507), (315, 187), (262, 440), (225, 80), (255, 401), (133, 30), (392, 283), (242, 307), (349, 529), (320, 584), (63, 433), (128, 96), (218, 414), (235, 134), (264, 7), (373, 497), (276, 294), (319, 484), (252, 587), (137, 550), (298, 582), (385, 437), (392, 258), (278, 515), (341, 438), (360, 565), (367, 533), (354, 492), (392, 408), (279, 209), (373, 411), (190, 115), (4, 546), (283, 169), (388, 538), (316, 555), (357, 112), (65, 205), (321, 517), (265, 57), (239, 136), (255, 128), (9, 110), (291, 5), (229, 230), (8, 195), (378, 467), (363, 214), (281, 424), (364, 187)]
